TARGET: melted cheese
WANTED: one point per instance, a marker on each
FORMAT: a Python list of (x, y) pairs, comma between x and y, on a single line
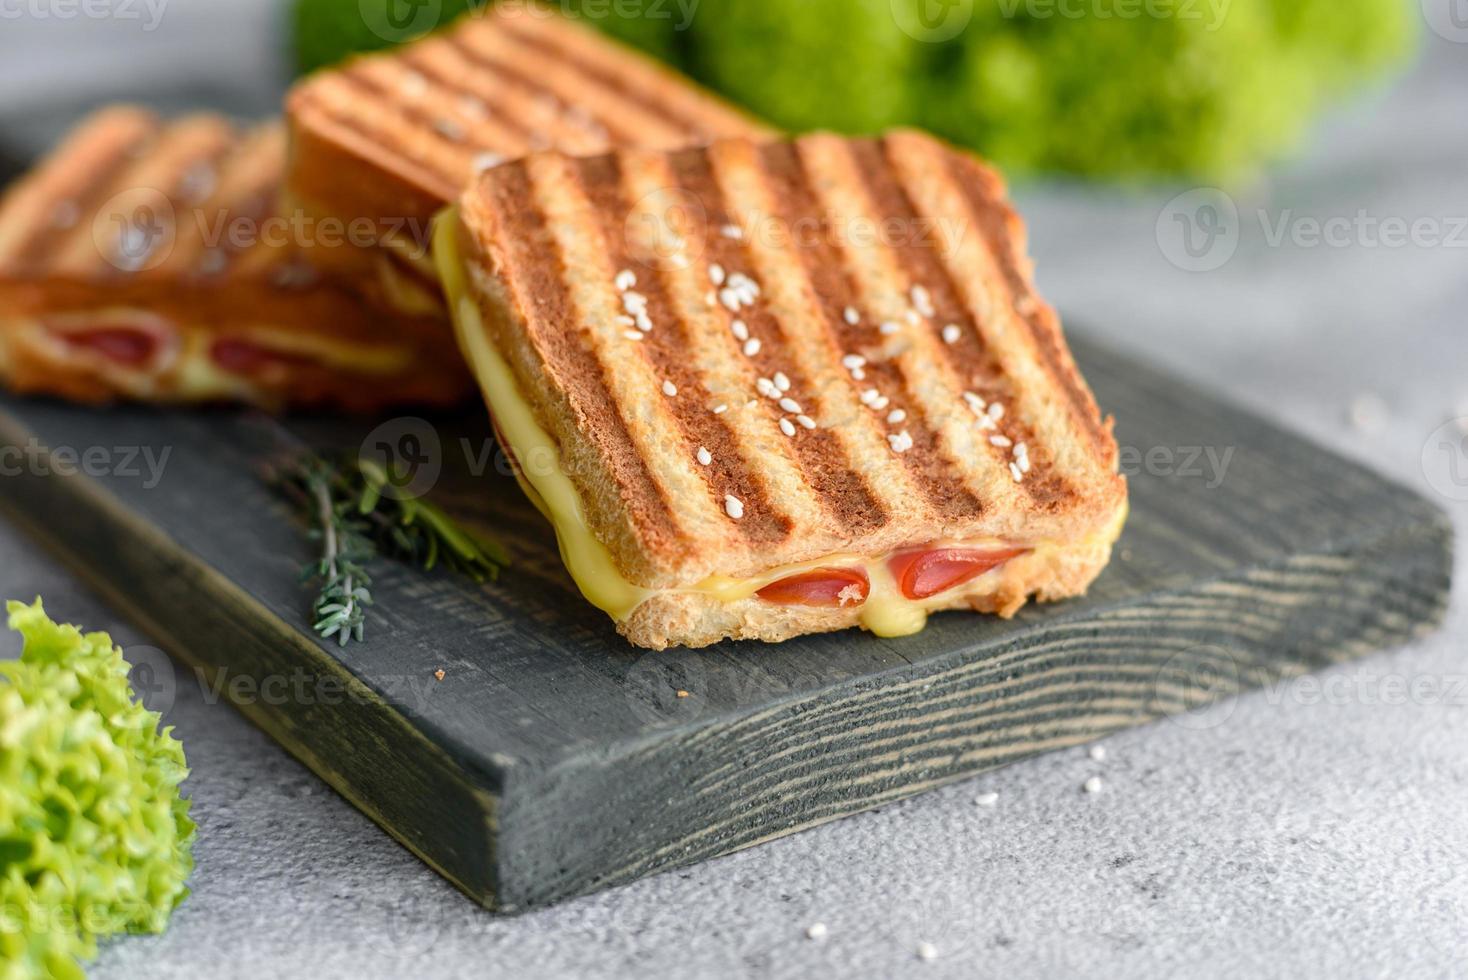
[(886, 612), (586, 558)]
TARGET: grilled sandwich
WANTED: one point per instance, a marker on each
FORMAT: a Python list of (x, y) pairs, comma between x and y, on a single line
[(388, 140), (150, 260), (764, 389)]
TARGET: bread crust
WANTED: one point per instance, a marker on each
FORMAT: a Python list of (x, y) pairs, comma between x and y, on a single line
[(698, 620)]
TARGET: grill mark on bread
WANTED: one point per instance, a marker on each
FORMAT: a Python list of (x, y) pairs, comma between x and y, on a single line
[(559, 130), (728, 473), (380, 96), (421, 60), (926, 265), (45, 241), (254, 163), (994, 217), (158, 168), (617, 83), (328, 109), (844, 494), (258, 165), (616, 131), (831, 279), (535, 267)]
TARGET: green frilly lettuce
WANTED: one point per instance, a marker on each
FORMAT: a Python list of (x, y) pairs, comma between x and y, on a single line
[(94, 837)]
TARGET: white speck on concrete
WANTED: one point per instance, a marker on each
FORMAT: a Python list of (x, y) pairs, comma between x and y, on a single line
[(1370, 413)]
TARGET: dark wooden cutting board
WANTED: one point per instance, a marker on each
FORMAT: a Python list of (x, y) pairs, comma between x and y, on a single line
[(552, 759)]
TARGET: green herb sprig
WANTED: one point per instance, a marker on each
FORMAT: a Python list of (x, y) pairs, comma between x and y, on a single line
[(357, 514)]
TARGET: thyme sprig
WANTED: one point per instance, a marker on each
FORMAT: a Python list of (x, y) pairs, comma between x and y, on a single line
[(357, 515)]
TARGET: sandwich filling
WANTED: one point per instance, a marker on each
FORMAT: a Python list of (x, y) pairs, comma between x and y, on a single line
[(140, 351), (892, 593)]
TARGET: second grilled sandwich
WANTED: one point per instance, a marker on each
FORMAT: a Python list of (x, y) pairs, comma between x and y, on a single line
[(149, 259), (390, 139), (765, 389)]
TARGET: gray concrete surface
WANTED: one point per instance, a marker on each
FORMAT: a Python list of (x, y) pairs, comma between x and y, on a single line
[(1318, 828)]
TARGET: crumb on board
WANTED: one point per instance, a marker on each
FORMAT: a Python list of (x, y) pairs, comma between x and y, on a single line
[(683, 694), (439, 674)]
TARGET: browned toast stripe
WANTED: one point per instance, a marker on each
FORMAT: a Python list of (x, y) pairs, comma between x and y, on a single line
[(923, 380), (1004, 231), (922, 263), (727, 374), (823, 263), (44, 211), (535, 272), (550, 98), (822, 458), (655, 90), (222, 202), (666, 350)]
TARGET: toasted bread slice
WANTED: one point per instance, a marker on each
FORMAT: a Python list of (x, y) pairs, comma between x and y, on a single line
[(149, 260), (390, 139), (764, 389)]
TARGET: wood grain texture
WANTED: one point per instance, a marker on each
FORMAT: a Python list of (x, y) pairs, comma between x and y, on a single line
[(553, 759)]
